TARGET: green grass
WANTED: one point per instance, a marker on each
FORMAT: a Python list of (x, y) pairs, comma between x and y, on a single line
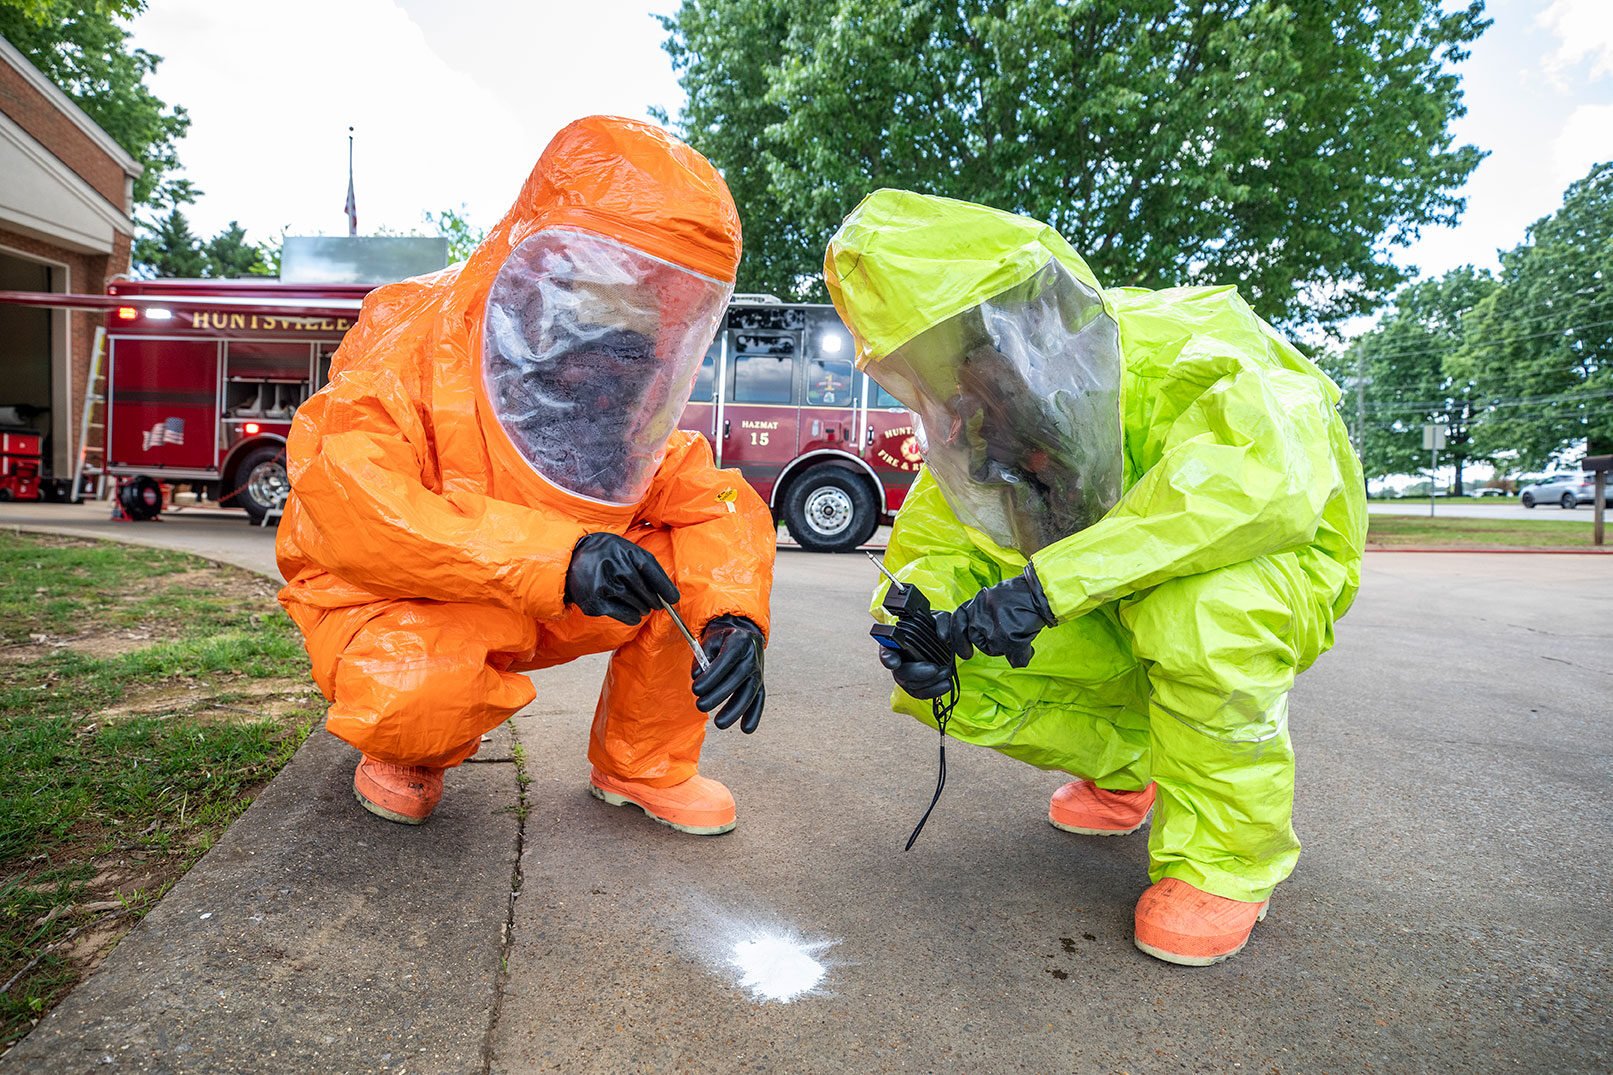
[(145, 697), (1392, 530)]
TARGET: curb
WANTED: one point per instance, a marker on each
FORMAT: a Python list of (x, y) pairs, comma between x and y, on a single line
[(1510, 549)]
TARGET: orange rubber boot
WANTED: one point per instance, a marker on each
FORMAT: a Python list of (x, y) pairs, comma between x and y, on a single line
[(698, 805), (1082, 807), (1182, 924), (403, 793)]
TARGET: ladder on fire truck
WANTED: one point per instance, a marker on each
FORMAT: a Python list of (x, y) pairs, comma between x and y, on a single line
[(94, 397)]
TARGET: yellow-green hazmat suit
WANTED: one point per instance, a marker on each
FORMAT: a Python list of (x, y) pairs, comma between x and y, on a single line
[(1208, 533)]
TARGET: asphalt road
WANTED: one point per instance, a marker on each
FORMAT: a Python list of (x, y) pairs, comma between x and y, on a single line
[(1449, 913), (1499, 509)]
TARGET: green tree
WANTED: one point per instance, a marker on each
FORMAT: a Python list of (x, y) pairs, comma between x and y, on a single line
[(168, 248), (455, 226), (1543, 342), (1416, 372), (229, 255), (83, 48), (1285, 148), (719, 50)]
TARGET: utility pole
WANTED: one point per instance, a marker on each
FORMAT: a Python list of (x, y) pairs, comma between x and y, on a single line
[(1361, 403)]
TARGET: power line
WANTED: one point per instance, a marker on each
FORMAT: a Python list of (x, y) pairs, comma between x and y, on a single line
[(1521, 320), (1490, 404), (1482, 406), (1414, 426), (1520, 378), (1418, 351)]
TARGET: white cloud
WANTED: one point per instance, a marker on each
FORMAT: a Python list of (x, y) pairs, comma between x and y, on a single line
[(1586, 139), (1584, 31)]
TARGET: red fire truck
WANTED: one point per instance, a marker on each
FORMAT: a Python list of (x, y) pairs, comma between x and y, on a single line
[(778, 397), (203, 378)]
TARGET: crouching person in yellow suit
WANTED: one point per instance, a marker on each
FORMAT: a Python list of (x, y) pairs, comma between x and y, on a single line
[(1139, 515)]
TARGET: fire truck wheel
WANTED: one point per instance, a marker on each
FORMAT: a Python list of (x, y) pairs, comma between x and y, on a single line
[(263, 481), (830, 509)]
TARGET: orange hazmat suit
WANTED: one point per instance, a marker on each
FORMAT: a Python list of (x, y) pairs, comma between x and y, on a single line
[(437, 495)]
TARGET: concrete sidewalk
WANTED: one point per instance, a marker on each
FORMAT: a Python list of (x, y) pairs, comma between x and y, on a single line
[(1449, 914)]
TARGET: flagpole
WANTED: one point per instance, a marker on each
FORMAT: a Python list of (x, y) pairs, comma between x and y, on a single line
[(352, 202)]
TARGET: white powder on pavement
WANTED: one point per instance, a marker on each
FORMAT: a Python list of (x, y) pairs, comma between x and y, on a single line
[(777, 967), (770, 960)]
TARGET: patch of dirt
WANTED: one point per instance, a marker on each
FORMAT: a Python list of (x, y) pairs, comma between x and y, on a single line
[(258, 699), (109, 642), (18, 653), (210, 579), (60, 541), (147, 701), (88, 949), (231, 585), (109, 905)]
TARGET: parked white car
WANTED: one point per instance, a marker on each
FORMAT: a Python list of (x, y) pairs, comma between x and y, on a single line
[(1565, 490)]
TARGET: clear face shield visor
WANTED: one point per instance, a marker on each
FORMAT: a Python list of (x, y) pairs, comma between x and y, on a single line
[(1018, 401), (588, 356)]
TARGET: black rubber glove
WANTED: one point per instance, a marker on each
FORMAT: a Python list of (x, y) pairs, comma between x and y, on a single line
[(921, 679), (611, 576), (1001, 620), (733, 645)]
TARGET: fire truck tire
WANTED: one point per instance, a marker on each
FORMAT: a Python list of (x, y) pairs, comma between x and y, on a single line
[(141, 498), (263, 482), (830, 509)]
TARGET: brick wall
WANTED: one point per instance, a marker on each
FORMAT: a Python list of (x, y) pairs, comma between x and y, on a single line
[(43, 120), (88, 273), (41, 116)]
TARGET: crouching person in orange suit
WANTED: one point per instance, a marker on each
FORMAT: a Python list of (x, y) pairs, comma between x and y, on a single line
[(493, 482)]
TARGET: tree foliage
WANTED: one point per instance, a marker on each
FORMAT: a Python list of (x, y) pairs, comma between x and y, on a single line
[(168, 248), (455, 226), (1547, 333), (1287, 148), (83, 49), (1415, 374), (1520, 365)]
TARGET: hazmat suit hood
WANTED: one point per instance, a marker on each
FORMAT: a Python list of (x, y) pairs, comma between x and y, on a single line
[(591, 304), (996, 334)]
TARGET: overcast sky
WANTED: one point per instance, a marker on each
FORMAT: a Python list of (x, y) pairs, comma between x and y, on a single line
[(453, 100)]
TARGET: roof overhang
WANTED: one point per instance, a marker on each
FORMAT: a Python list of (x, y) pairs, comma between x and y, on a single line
[(44, 199)]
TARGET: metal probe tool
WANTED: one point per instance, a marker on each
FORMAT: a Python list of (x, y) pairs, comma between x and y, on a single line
[(699, 654), (881, 565)]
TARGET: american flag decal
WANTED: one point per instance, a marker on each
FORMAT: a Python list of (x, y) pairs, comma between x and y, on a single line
[(168, 431)]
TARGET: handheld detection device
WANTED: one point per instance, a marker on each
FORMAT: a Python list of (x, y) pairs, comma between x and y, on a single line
[(915, 636)]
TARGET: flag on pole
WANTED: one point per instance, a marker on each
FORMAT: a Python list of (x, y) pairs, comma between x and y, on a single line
[(351, 208)]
